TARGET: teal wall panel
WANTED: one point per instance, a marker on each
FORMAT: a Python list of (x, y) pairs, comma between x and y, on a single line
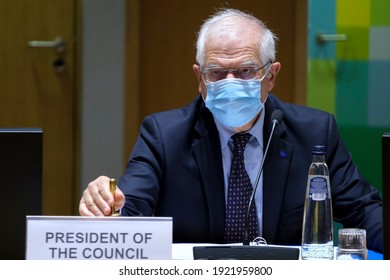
[(379, 94), (321, 20), (351, 93)]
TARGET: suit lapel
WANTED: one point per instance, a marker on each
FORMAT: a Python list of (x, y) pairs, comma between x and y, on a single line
[(207, 154), (276, 167)]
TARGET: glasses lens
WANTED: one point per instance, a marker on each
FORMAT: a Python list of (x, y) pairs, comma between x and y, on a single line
[(247, 73), (216, 74)]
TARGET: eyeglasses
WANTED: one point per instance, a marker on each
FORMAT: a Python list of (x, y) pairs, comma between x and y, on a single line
[(213, 74)]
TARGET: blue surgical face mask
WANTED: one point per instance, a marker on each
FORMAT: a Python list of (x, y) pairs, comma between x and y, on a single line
[(234, 102)]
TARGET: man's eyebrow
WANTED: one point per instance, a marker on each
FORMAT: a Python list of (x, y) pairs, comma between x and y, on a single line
[(242, 64), (212, 65), (248, 63)]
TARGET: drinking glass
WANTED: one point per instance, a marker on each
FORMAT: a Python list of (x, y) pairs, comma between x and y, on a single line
[(352, 244)]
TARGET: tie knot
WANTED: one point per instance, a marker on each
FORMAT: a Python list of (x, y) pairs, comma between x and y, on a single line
[(240, 140)]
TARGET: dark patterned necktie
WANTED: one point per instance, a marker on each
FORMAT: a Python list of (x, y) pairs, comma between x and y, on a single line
[(239, 192)]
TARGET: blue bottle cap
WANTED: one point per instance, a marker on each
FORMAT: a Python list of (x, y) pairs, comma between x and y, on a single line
[(319, 150)]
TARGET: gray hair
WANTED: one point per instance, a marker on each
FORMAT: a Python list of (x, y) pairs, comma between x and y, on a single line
[(220, 23)]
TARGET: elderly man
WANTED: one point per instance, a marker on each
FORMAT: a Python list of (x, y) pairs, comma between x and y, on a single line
[(185, 161)]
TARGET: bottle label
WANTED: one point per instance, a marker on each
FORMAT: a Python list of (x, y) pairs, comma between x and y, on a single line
[(318, 187)]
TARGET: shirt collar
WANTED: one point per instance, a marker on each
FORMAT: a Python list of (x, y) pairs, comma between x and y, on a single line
[(225, 132)]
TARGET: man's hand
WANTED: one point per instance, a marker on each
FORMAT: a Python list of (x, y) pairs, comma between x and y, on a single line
[(97, 198)]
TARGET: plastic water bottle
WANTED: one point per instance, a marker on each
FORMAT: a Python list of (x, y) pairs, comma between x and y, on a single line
[(317, 230)]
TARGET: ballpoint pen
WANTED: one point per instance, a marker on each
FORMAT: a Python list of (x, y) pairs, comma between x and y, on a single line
[(112, 190)]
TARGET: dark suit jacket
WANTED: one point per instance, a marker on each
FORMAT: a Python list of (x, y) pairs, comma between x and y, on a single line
[(175, 170)]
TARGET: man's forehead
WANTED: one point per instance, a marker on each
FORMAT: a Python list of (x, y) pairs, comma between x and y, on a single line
[(232, 54)]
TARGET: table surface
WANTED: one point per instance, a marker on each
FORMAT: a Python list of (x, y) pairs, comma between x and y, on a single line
[(183, 251)]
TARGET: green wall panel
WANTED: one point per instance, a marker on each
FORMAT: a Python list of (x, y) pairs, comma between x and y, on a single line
[(380, 12), (321, 84)]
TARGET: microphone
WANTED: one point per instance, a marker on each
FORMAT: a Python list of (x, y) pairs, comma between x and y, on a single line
[(276, 118)]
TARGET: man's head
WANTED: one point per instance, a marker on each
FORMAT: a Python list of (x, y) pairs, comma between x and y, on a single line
[(234, 44)]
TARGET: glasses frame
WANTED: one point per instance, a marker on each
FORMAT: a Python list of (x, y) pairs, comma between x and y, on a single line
[(204, 72)]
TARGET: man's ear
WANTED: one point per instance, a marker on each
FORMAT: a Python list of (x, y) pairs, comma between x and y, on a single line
[(271, 76), (196, 69)]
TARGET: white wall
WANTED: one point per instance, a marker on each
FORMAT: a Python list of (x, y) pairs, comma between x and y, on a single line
[(102, 90)]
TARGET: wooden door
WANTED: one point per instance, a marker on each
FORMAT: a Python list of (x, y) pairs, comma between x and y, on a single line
[(37, 88)]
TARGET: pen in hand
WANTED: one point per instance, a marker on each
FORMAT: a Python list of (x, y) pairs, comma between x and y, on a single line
[(112, 190)]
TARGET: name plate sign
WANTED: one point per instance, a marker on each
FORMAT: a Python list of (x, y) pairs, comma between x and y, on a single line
[(71, 237)]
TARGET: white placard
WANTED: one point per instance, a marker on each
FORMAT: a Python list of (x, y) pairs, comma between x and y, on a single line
[(73, 237)]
